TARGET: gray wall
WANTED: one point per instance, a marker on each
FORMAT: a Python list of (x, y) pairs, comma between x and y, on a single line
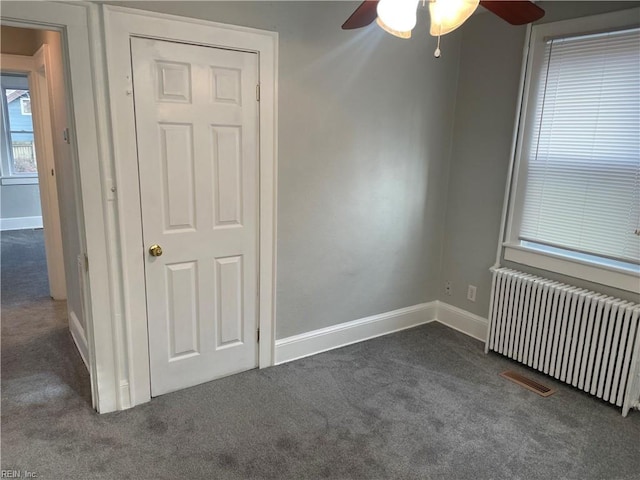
[(19, 201), (364, 137), (485, 111), (490, 63)]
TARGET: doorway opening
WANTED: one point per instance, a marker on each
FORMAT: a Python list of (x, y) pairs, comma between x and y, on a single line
[(24, 272), (44, 347)]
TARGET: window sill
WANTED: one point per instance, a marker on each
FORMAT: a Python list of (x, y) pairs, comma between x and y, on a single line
[(19, 180), (604, 275)]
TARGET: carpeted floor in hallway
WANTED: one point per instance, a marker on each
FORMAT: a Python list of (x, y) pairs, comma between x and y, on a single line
[(23, 267), (418, 404)]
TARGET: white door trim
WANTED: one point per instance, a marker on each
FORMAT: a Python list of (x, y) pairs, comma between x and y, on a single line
[(37, 68), (76, 23), (120, 25)]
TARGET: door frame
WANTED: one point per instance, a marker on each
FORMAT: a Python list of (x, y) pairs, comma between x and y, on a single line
[(120, 24), (37, 68), (77, 24)]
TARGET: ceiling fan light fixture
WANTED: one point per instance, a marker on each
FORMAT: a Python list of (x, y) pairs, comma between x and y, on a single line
[(397, 15), (447, 15), (390, 30)]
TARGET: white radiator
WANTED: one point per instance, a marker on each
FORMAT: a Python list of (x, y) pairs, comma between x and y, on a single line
[(583, 338)]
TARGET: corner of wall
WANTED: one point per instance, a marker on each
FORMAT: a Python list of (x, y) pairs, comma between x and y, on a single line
[(463, 321), (447, 172)]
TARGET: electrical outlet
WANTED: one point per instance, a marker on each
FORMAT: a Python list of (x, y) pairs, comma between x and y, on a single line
[(448, 289), (471, 293)]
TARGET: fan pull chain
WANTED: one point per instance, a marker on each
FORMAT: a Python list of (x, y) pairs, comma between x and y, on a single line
[(437, 52)]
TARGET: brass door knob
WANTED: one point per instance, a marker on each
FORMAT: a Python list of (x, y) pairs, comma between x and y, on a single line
[(155, 250)]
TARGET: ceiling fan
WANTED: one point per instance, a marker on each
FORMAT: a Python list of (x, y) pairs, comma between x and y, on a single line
[(398, 17)]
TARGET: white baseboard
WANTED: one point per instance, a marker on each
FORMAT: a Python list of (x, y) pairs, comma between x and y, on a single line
[(463, 321), (336, 336), (77, 333), (20, 223), (125, 395)]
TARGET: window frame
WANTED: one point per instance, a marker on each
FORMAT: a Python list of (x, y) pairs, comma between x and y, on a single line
[(566, 264), (8, 176)]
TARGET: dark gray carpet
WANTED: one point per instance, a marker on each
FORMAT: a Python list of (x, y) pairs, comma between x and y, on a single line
[(24, 267)]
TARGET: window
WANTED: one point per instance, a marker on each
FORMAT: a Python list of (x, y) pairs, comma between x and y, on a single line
[(25, 105), (18, 147), (575, 205)]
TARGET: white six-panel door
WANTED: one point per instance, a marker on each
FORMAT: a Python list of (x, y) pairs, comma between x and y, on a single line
[(196, 127)]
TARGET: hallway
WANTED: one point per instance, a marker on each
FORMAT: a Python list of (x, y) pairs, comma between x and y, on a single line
[(41, 368)]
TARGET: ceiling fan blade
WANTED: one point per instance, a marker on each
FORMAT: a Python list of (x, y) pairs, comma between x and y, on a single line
[(516, 12), (362, 16)]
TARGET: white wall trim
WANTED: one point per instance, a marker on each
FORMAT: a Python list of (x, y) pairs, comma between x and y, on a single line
[(602, 274), (343, 334), (79, 338), (125, 395), (20, 223), (466, 322)]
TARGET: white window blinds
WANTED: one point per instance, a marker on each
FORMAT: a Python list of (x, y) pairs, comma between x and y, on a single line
[(583, 152)]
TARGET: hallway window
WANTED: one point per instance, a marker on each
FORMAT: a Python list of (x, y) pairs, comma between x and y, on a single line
[(18, 148)]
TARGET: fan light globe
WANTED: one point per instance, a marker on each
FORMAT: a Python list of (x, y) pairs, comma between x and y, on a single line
[(447, 15), (393, 32), (397, 16)]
